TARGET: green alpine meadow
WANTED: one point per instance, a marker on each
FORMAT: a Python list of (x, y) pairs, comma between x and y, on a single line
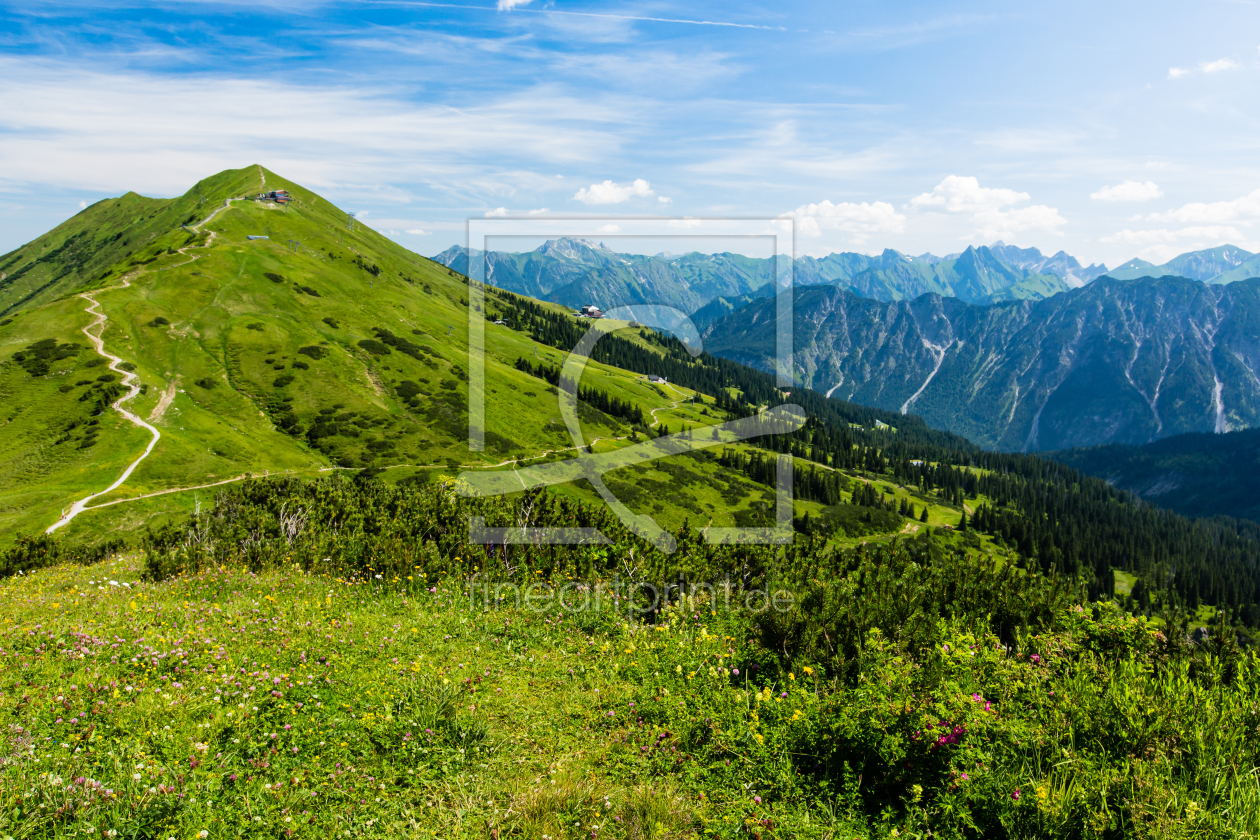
[(250, 586)]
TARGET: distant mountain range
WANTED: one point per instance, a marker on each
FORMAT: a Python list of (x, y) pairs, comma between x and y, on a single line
[(575, 272), (1223, 264), (1111, 362), (977, 275)]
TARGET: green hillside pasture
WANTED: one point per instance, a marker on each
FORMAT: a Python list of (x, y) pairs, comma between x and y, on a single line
[(233, 327)]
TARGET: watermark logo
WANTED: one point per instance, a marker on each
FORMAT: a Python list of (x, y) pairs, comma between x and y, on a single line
[(593, 466), (633, 598)]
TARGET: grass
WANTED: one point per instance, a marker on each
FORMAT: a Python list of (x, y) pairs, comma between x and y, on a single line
[(291, 703)]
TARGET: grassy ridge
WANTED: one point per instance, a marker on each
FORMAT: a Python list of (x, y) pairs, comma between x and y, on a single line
[(86, 249), (345, 350)]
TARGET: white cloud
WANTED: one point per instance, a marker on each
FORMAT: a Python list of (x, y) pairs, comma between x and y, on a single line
[(1129, 191), (963, 194), (612, 193), (509, 5), (664, 200), (418, 232), (1205, 67), (608, 228), (860, 219), (1219, 65), (1244, 209), (539, 211), (82, 205), (362, 214), (496, 213)]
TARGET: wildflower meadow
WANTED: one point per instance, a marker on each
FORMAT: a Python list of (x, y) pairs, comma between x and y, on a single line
[(272, 686)]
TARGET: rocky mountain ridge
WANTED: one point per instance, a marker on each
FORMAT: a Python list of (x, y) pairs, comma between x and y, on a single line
[(1111, 362)]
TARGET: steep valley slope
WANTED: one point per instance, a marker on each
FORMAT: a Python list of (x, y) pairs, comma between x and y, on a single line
[(1112, 362)]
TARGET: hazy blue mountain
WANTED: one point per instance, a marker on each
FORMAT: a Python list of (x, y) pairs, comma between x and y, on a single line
[(577, 272), (977, 275), (1062, 264), (1111, 362), (1223, 264)]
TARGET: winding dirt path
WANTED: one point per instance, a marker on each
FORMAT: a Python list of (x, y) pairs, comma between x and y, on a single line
[(131, 380), (656, 420)]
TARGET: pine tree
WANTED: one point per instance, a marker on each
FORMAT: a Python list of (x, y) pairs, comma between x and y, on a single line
[(923, 518), (962, 523)]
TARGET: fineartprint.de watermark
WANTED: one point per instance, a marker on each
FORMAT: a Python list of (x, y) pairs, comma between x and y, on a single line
[(593, 466), (635, 598)]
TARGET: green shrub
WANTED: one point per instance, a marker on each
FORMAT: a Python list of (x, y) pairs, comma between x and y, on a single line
[(374, 347), (35, 552), (37, 358)]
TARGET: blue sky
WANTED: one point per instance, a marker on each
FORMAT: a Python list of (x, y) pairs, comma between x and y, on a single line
[(1108, 130)]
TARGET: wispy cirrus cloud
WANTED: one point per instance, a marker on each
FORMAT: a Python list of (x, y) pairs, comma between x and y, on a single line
[(1217, 234), (520, 5), (77, 127), (909, 33)]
